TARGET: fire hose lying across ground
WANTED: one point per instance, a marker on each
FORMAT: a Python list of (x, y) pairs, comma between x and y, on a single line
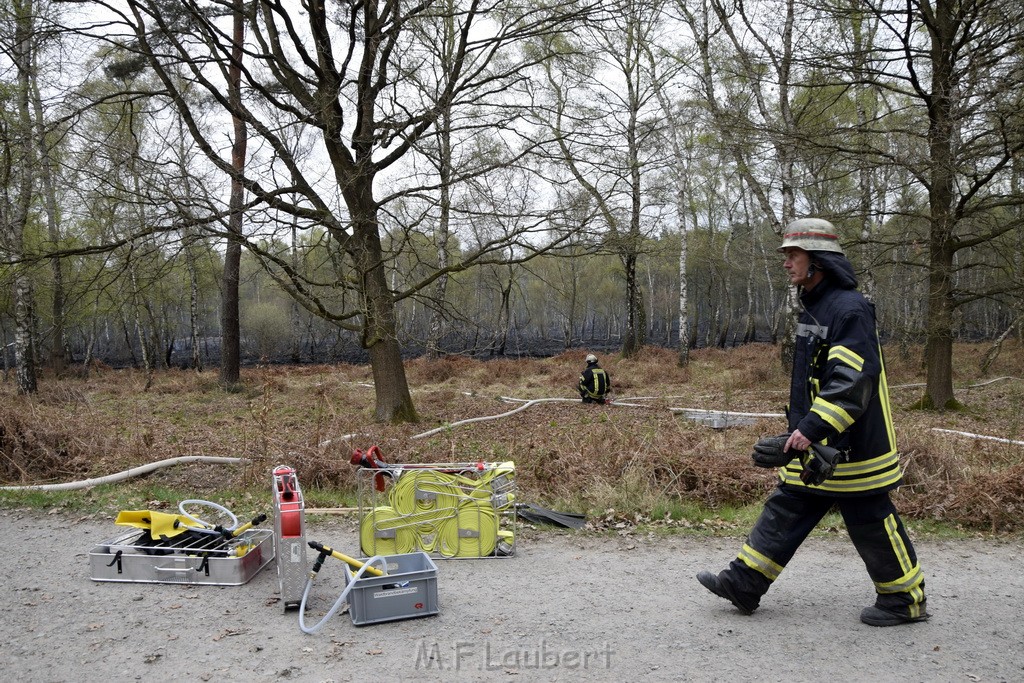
[(209, 459), (127, 474)]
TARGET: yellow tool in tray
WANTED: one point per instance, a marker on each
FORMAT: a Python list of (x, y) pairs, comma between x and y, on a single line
[(159, 524)]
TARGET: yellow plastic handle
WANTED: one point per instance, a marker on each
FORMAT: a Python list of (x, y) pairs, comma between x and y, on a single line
[(352, 562)]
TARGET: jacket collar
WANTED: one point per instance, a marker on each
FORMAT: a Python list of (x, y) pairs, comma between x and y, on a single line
[(810, 297)]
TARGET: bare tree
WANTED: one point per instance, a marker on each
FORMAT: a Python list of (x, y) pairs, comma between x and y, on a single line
[(345, 72), (443, 35), (603, 113), (957, 66), (230, 351), (46, 142), (666, 66), (752, 108)]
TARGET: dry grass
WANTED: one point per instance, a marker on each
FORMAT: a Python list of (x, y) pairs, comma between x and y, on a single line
[(633, 458)]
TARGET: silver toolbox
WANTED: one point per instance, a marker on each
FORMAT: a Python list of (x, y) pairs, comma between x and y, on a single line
[(195, 559), (408, 590)]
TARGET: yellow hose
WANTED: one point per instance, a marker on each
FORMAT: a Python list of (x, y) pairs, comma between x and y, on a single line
[(424, 490), (451, 513), (380, 535), (471, 533)]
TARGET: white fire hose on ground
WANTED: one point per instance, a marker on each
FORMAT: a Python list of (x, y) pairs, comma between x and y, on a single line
[(127, 474)]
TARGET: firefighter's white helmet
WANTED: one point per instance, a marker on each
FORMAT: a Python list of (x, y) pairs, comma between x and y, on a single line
[(811, 234)]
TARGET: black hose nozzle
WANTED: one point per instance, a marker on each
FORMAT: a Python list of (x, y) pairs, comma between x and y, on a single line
[(324, 553)]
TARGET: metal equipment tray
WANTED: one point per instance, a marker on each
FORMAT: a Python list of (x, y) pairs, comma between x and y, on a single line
[(204, 559)]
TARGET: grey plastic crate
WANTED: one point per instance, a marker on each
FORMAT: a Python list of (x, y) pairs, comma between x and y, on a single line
[(408, 590)]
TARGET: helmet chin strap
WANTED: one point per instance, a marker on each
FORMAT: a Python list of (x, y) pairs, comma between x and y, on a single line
[(809, 279)]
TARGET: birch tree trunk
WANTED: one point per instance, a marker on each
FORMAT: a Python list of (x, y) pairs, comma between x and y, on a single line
[(436, 329), (22, 169), (58, 346)]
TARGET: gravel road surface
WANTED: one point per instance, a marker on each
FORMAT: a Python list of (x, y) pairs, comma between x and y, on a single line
[(568, 606)]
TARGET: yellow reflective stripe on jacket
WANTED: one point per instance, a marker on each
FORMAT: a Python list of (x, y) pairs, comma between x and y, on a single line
[(831, 413), (851, 477), (846, 356), (879, 463), (760, 563), (850, 486)]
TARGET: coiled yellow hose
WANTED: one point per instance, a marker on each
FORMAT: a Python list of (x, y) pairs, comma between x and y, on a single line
[(448, 512), (376, 538), (473, 532)]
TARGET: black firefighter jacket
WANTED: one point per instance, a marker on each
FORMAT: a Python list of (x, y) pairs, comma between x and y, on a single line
[(839, 395)]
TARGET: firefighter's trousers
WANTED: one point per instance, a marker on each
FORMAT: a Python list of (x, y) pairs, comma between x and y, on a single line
[(789, 515)]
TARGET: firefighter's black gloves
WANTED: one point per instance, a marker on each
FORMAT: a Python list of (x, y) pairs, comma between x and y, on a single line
[(819, 462), (768, 451)]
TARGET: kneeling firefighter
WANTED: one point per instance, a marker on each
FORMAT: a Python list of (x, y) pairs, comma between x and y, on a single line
[(840, 449), (595, 383)]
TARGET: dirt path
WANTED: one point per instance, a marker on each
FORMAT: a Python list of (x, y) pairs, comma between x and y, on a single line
[(566, 607)]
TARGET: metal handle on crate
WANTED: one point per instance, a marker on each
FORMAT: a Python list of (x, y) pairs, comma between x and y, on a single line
[(203, 566)]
